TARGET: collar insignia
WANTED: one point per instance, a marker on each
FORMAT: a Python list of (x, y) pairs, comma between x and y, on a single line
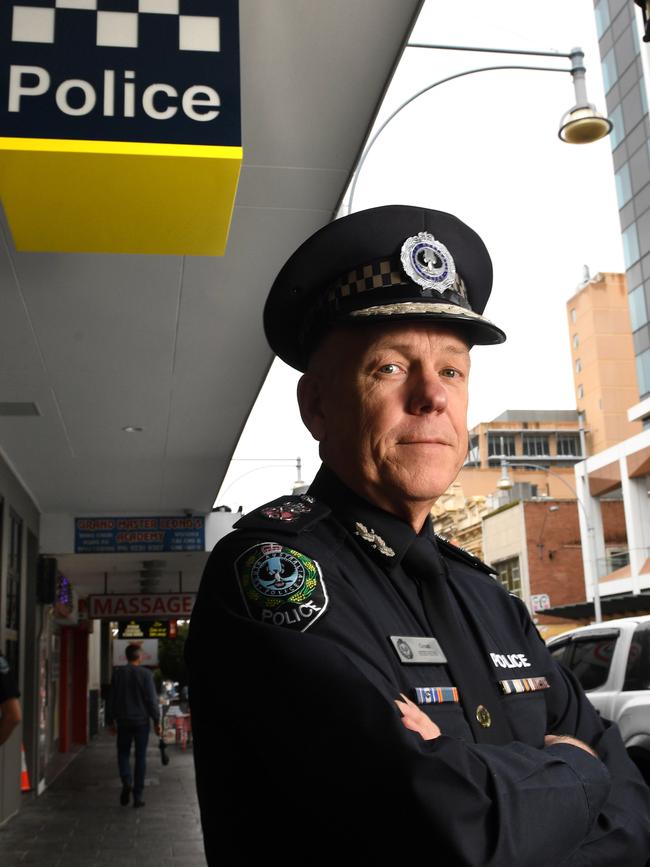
[(289, 510), (373, 539), (428, 263)]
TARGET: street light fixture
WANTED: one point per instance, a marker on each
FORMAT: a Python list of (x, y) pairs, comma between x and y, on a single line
[(582, 124)]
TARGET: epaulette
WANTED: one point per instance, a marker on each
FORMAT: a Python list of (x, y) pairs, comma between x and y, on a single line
[(295, 514), (464, 556)]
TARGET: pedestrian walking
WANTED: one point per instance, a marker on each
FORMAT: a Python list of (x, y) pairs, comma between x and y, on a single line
[(132, 706)]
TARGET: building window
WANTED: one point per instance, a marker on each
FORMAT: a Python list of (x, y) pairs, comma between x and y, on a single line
[(536, 445), (635, 40), (638, 310), (630, 246), (574, 315), (601, 10), (578, 365), (643, 372), (580, 392), (610, 73), (618, 130), (576, 341), (623, 185), (473, 456), (509, 575), (501, 445), (568, 445), (616, 558)]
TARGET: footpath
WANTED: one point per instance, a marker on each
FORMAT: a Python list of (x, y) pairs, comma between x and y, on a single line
[(78, 820)]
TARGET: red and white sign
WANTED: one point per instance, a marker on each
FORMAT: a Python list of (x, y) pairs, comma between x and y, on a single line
[(143, 605), (540, 602)]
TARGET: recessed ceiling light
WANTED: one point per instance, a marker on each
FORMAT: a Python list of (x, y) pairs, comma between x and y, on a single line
[(132, 429)]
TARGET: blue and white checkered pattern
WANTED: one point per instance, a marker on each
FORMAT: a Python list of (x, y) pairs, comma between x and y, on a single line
[(117, 29)]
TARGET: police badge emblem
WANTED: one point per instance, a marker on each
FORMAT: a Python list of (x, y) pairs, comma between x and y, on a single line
[(428, 263), (281, 586)]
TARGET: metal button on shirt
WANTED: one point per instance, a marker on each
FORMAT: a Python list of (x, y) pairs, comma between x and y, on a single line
[(483, 716)]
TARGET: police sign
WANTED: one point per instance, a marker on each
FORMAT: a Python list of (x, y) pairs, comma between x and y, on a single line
[(123, 73), (121, 70)]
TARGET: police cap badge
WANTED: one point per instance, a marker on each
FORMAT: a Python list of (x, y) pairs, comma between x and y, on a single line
[(395, 262)]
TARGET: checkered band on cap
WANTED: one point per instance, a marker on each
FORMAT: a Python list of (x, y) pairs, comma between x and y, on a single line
[(383, 274), (375, 275)]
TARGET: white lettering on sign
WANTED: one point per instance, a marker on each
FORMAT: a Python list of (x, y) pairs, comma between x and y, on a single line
[(18, 89), (76, 96), (148, 103), (89, 97), (203, 96), (510, 660), (115, 606)]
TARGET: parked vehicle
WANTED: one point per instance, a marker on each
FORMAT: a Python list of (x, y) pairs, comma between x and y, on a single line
[(612, 662)]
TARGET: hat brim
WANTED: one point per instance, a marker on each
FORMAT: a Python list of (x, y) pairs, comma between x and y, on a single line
[(477, 328)]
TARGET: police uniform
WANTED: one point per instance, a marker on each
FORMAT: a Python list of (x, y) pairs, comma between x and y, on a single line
[(8, 688), (317, 612)]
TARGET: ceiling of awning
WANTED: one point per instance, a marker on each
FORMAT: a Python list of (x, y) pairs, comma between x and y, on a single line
[(175, 345)]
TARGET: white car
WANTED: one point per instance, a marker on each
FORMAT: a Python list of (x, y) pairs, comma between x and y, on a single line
[(612, 662)]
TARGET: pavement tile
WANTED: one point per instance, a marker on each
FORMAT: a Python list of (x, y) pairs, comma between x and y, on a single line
[(78, 821)]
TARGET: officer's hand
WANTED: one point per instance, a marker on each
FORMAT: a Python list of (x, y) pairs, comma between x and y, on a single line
[(416, 720), (157, 729), (112, 730), (549, 740)]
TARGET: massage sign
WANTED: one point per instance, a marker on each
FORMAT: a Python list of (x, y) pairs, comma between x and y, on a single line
[(134, 92)]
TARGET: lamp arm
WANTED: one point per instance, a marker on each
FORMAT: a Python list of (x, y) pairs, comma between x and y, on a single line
[(424, 90)]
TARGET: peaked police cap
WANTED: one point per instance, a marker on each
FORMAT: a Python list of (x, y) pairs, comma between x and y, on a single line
[(386, 264)]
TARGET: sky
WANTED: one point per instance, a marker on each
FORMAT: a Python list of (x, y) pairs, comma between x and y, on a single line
[(485, 148)]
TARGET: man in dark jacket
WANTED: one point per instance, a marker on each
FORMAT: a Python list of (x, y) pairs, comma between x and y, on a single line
[(379, 696), (132, 703)]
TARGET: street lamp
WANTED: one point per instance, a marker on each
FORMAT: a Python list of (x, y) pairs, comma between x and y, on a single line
[(505, 483), (581, 124)]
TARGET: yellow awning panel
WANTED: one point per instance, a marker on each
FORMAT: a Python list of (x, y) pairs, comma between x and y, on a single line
[(118, 197)]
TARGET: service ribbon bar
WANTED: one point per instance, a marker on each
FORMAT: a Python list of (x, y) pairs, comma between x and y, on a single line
[(523, 684), (436, 694)]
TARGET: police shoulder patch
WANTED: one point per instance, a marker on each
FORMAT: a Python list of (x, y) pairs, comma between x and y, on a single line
[(4, 665), (281, 586)]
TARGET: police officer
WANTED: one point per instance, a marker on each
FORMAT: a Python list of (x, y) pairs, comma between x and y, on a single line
[(10, 713), (361, 689)]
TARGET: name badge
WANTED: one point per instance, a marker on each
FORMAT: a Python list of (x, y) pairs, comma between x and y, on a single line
[(418, 649)]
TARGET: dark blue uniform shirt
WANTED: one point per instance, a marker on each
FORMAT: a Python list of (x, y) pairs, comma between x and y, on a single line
[(301, 638)]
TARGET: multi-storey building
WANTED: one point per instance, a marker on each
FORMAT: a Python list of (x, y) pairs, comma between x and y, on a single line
[(540, 448), (626, 71), (622, 469), (602, 355)]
